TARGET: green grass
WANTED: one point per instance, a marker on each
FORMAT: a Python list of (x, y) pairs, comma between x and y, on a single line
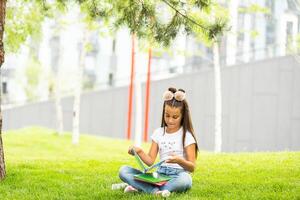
[(42, 165)]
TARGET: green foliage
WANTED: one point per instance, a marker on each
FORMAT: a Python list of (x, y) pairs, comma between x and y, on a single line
[(293, 44), (88, 47), (33, 73), (144, 18), (87, 83), (254, 33), (254, 8), (21, 21), (97, 14), (217, 25), (24, 19), (42, 165), (298, 42), (138, 16), (207, 23), (201, 3)]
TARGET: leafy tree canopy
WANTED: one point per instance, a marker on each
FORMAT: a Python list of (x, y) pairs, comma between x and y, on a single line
[(153, 20), (161, 20)]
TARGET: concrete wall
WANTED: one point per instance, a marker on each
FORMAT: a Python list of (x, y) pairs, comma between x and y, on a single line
[(261, 107)]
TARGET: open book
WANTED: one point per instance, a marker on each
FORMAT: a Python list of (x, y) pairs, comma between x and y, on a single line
[(142, 165), (153, 178)]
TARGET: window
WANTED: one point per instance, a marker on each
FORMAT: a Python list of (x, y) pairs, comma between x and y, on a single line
[(289, 32), (4, 87), (270, 32), (270, 4)]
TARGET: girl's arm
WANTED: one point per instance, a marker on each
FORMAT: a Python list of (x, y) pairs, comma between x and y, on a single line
[(149, 158), (189, 163)]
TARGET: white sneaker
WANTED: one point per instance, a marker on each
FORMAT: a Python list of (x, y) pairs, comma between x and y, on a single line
[(163, 193), (129, 188), (118, 186)]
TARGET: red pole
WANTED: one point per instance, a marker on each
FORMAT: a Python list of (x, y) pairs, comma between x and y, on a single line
[(147, 97), (130, 89)]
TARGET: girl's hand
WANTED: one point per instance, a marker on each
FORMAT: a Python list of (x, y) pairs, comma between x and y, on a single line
[(136, 149), (174, 159)]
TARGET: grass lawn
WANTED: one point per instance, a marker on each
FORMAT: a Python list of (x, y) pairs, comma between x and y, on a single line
[(42, 165)]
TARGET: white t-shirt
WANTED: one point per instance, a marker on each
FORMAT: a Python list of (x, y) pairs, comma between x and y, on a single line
[(171, 143)]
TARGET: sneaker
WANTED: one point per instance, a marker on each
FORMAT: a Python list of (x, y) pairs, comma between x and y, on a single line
[(129, 188), (118, 186), (163, 193)]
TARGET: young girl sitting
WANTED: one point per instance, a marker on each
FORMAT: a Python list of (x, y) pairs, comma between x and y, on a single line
[(180, 156)]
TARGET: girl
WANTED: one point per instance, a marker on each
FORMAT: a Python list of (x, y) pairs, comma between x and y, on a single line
[(176, 143)]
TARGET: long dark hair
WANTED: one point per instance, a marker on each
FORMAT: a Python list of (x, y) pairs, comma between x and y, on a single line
[(186, 121)]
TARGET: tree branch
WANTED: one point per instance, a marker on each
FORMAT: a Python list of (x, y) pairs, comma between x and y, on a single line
[(185, 16)]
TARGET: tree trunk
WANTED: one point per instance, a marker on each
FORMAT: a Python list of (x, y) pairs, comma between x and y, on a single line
[(57, 50), (218, 98), (58, 106), (76, 106), (2, 22), (138, 109)]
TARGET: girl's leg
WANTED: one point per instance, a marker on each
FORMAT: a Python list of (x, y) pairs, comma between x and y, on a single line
[(181, 183), (126, 174)]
